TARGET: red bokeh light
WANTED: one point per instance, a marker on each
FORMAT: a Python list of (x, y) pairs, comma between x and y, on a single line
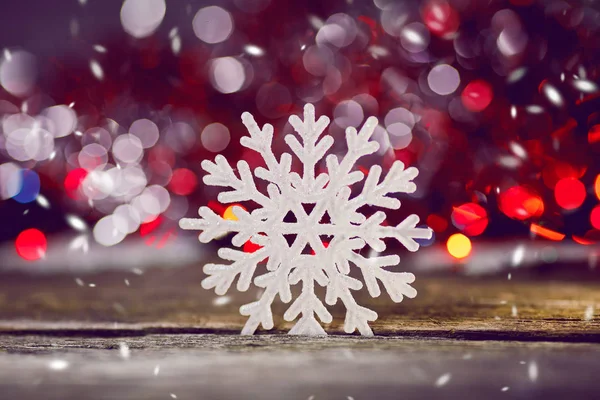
[(594, 134), (597, 187), (520, 203), (251, 247), (441, 19), (557, 170), (31, 244), (470, 218), (73, 182), (150, 226), (569, 193), (183, 182), (477, 95), (595, 217), (437, 223)]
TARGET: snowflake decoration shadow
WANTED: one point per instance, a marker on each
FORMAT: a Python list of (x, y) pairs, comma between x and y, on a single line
[(330, 193)]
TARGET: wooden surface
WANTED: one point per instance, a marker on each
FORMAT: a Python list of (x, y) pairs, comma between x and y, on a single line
[(280, 367), (460, 338), (164, 300)]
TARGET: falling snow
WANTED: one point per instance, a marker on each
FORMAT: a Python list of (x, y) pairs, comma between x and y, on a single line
[(349, 230), (58, 365), (124, 351), (532, 371), (443, 380), (588, 315)]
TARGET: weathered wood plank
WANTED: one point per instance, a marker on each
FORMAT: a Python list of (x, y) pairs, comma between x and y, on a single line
[(276, 367), (164, 300)]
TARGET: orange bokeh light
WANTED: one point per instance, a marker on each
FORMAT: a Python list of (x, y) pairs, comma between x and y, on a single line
[(545, 232), (459, 246), (520, 203), (228, 213)]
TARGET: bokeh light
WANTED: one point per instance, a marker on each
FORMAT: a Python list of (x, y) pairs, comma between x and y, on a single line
[(18, 72), (11, 180), (31, 244), (64, 120), (140, 18), (212, 24), (229, 214), (595, 217), (146, 131), (520, 203), (470, 218), (110, 230), (183, 182), (441, 19), (227, 74), (477, 95), (569, 193), (30, 187), (443, 79), (215, 137), (73, 182), (459, 246)]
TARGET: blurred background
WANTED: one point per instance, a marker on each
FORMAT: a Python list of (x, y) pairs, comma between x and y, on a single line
[(107, 109)]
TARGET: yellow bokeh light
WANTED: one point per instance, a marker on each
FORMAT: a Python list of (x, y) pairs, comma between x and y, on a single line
[(459, 246), (229, 215)]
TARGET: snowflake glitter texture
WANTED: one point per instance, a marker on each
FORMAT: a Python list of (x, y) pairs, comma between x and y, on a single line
[(330, 193)]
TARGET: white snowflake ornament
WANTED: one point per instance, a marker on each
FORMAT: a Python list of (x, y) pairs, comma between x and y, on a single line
[(328, 193)]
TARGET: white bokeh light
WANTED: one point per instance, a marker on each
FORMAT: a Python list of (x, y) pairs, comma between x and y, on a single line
[(400, 135), (17, 121), (10, 180), (443, 79), (348, 113), (140, 18), (339, 30), (131, 217), (110, 230), (400, 114), (92, 156), (317, 60), (180, 137), (414, 37), (146, 131), (18, 73), (212, 24), (97, 135), (129, 181), (227, 74), (97, 185), (25, 144), (64, 120), (128, 149), (215, 137)]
